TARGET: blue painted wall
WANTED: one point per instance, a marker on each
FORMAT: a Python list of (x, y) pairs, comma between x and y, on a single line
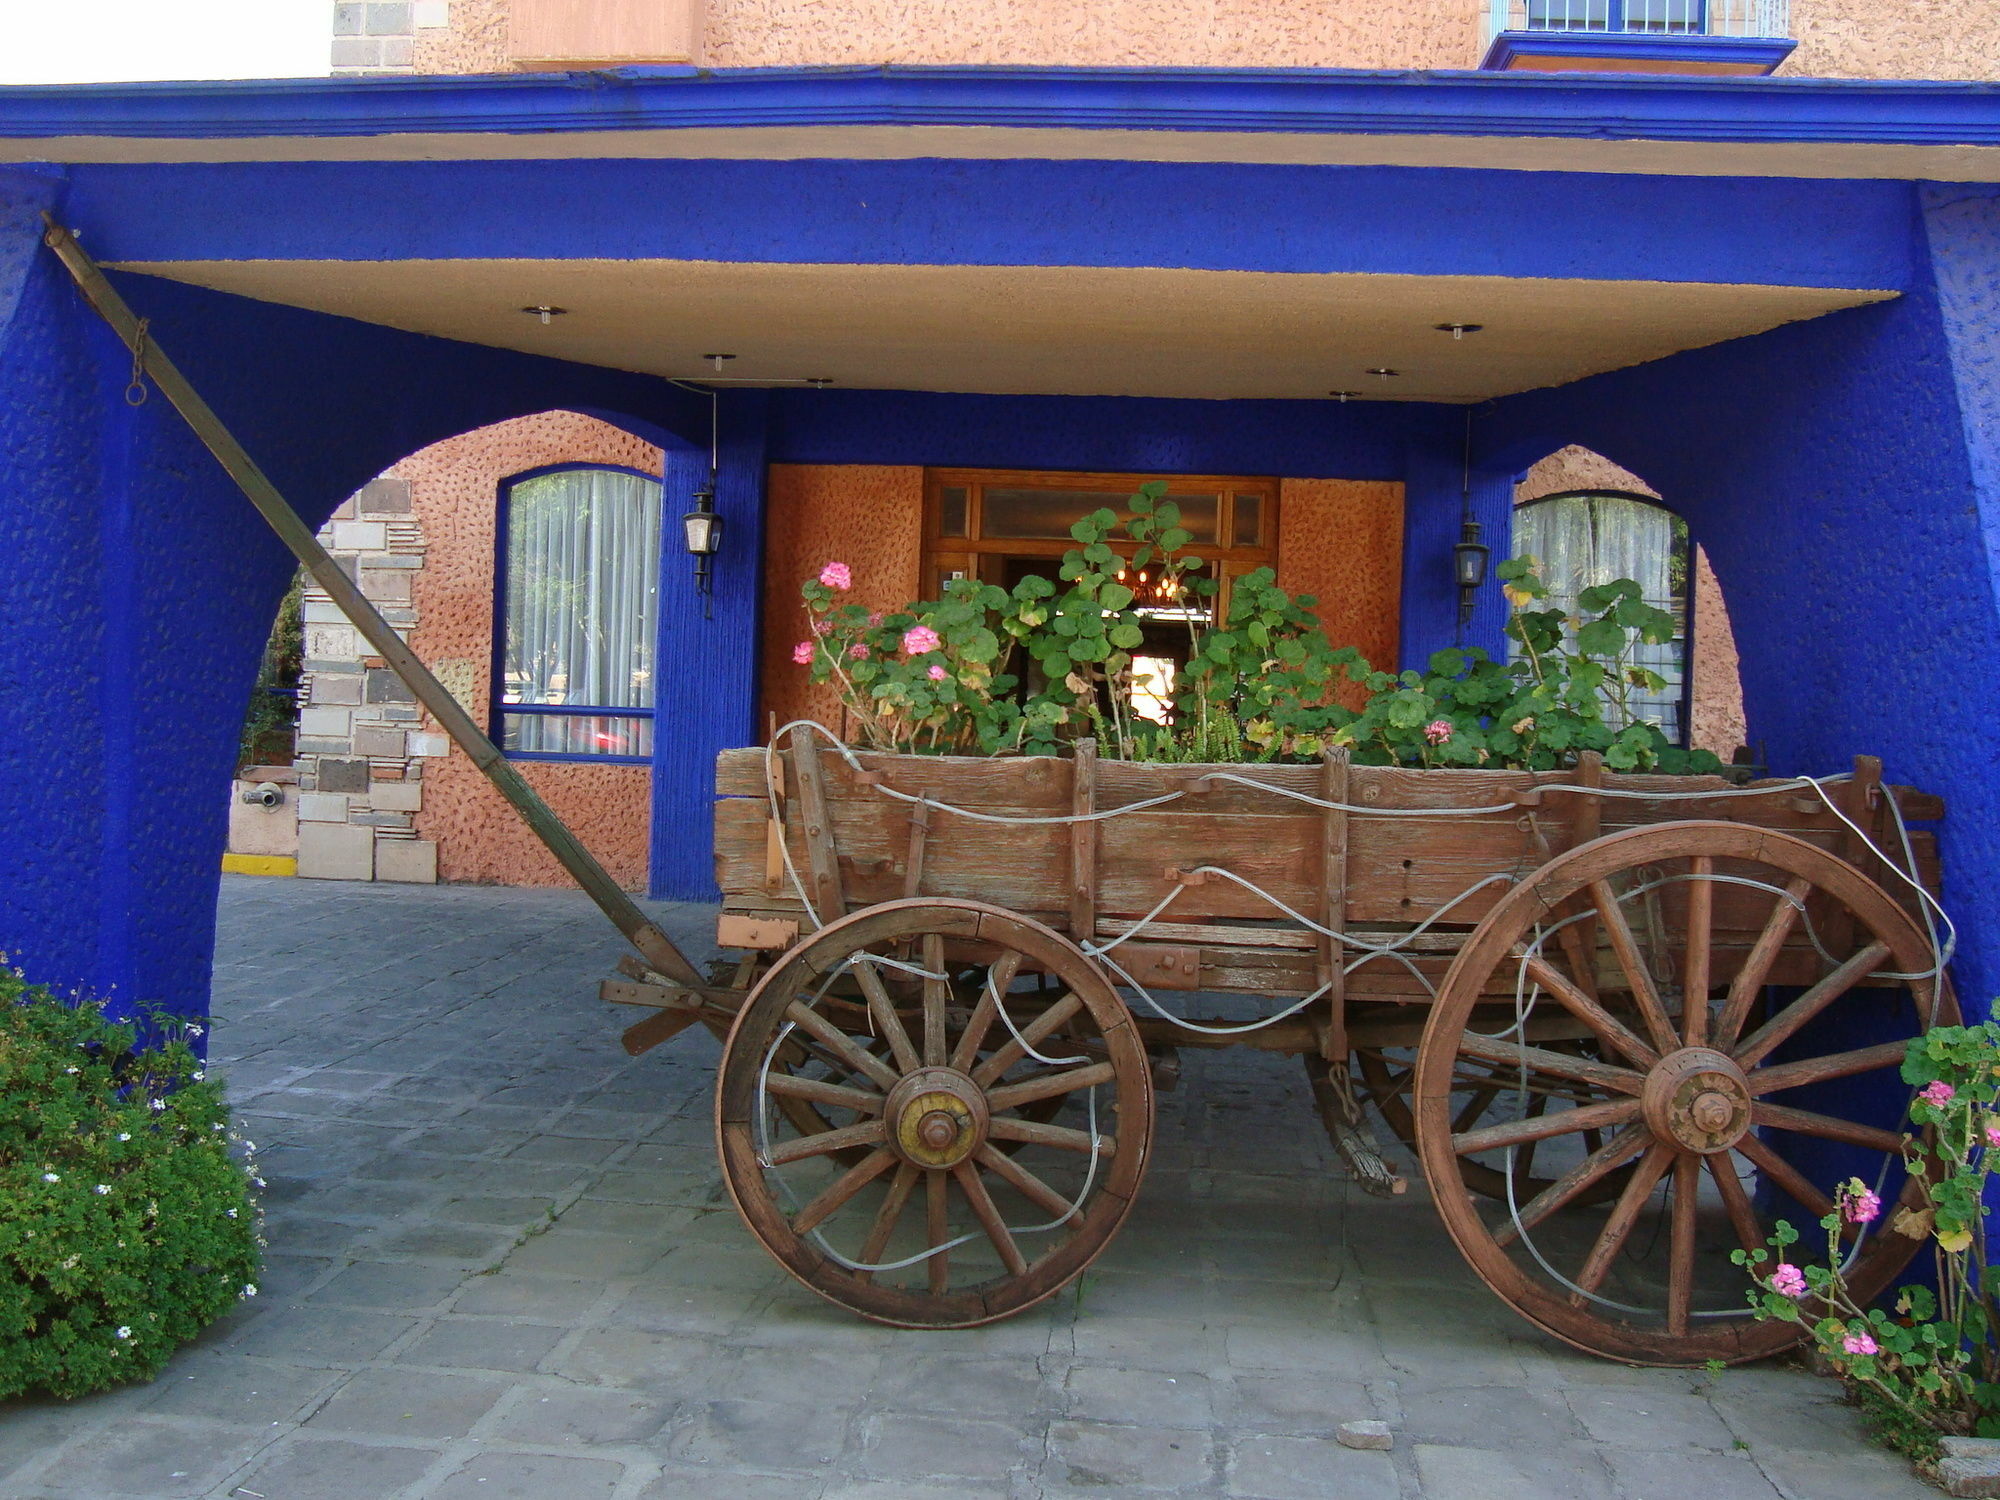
[(137, 586), (1033, 213), (1841, 475)]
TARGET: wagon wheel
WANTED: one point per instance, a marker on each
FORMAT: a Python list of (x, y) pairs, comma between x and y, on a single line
[(1387, 1078), (1685, 1095), (950, 1108)]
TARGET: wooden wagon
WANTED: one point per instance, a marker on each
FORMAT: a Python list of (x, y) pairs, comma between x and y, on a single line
[(1624, 1021)]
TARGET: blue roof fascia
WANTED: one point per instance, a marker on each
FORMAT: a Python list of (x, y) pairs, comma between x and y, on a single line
[(1637, 49), (1332, 101)]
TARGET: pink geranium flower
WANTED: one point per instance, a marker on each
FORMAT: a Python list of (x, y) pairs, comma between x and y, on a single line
[(1438, 731), (802, 653), (822, 627), (1788, 1281), (1993, 1134), (920, 638), (1939, 1093), (1857, 1204), (938, 674), (1860, 1344), (836, 575), (857, 652)]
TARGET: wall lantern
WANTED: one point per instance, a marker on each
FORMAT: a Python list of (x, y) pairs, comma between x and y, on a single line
[(1468, 562), (702, 528)]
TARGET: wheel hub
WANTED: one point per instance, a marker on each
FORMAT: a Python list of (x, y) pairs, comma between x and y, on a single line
[(937, 1117), (1698, 1100)]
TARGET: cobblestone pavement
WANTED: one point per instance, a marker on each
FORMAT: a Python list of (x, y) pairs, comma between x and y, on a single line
[(502, 1265)]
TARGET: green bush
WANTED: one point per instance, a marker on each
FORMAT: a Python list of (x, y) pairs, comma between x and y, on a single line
[(128, 1224)]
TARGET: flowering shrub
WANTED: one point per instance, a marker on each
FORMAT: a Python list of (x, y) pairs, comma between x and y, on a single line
[(1928, 1365), (129, 1225), (988, 671)]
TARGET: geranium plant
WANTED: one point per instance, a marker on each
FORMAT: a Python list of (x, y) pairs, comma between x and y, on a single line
[(989, 671), (1927, 1365), (129, 1224)]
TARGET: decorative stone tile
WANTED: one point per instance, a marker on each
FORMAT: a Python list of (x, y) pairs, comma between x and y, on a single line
[(386, 584), (360, 536), (377, 739), (336, 851), (413, 861), (429, 744), (329, 688), (396, 796), (325, 721), (386, 495), (385, 686), (322, 807), (343, 775)]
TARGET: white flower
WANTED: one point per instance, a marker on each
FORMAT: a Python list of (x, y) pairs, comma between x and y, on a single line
[(229, 1213), (200, 1074), (215, 1127), (158, 1105), (72, 1070), (259, 1181), (50, 1177), (101, 1189), (125, 1332), (124, 1135), (250, 1290), (194, 1031)]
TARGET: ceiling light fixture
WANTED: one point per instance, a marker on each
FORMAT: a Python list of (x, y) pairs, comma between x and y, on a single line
[(1385, 372), (1458, 330), (718, 360), (819, 382), (547, 312), (1343, 395)]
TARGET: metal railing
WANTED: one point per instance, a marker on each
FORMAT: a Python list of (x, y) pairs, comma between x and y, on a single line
[(1758, 18)]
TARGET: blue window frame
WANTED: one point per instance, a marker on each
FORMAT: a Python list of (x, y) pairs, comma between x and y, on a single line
[(577, 615), (1649, 17)]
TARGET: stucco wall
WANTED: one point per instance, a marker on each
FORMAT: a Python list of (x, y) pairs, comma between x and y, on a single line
[(1837, 38), (454, 487), (869, 516), (1341, 540)]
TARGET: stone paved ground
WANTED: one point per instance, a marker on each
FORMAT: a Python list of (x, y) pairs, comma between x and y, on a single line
[(502, 1266)]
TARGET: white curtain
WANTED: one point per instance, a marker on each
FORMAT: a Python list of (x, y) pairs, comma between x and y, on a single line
[(1585, 540), (582, 591)]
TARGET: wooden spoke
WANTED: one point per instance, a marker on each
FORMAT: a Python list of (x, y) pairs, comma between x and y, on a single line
[(1786, 1176), (1048, 1085), (1810, 1004), (999, 979), (886, 1216), (1624, 1214), (1791, 1075), (1695, 959), (1620, 1149), (882, 1011), (1826, 1127), (1608, 1027), (937, 992), (867, 1133), (1024, 1182), (970, 1183), (1032, 1034), (820, 1092), (840, 1045), (1645, 994), (1542, 1127), (1736, 1201), (1559, 1064), (1060, 1137), (1749, 980), (1681, 1248), (937, 1225), (844, 1187)]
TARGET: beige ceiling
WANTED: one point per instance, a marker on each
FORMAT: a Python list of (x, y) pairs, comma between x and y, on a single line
[(1938, 161), (1060, 330)]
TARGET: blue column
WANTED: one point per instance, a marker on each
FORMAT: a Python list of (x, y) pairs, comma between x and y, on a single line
[(708, 649), (1434, 483)]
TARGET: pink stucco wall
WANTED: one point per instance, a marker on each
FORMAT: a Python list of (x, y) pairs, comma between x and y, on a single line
[(1837, 38), (454, 492)]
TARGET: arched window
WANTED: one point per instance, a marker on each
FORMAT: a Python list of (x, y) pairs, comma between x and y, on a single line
[(1585, 539), (578, 609)]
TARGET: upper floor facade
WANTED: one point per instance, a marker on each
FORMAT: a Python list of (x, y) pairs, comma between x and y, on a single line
[(1874, 39)]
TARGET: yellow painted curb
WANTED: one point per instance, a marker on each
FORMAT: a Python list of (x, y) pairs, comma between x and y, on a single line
[(259, 864)]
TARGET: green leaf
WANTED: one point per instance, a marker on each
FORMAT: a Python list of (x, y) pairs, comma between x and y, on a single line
[(1114, 596), (1127, 635)]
